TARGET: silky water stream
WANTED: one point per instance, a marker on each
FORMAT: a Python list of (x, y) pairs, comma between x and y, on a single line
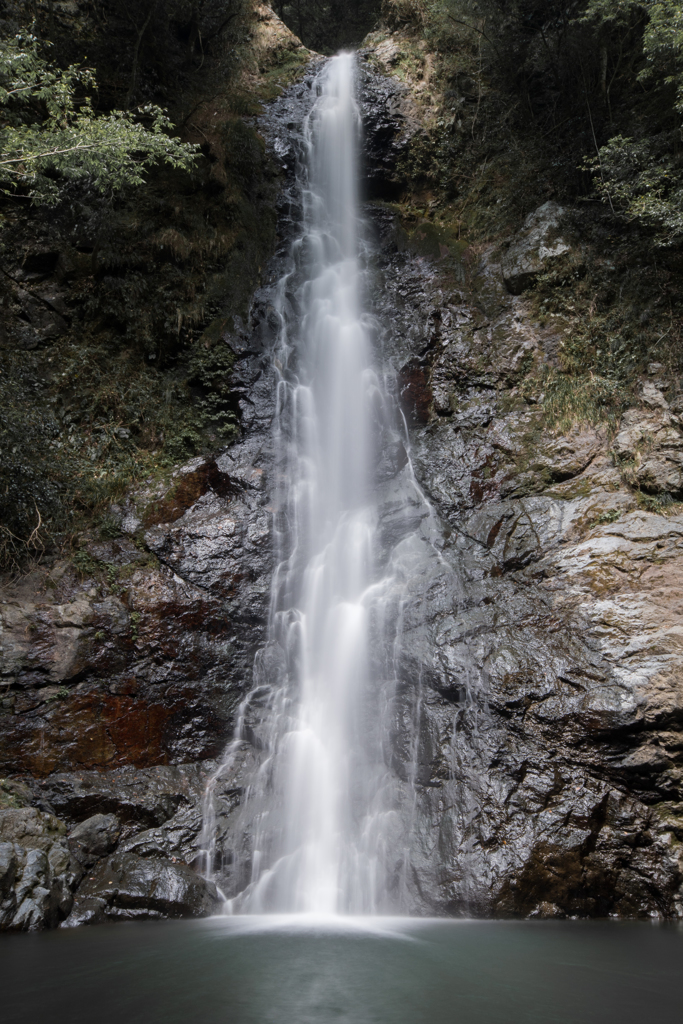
[(316, 828), (318, 845)]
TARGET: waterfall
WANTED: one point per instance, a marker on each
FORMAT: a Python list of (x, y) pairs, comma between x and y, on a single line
[(316, 813)]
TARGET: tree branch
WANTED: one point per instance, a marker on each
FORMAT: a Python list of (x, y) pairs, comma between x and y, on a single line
[(25, 88), (473, 28), (53, 152)]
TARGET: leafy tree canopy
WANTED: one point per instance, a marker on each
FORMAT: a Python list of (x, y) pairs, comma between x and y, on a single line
[(641, 177), (50, 132), (616, 64)]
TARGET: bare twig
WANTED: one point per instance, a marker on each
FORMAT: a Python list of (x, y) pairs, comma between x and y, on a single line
[(556, 126), (136, 53), (25, 88), (473, 28), (34, 539), (208, 101), (221, 28), (663, 336), (595, 141), (476, 112), (197, 128), (597, 150)]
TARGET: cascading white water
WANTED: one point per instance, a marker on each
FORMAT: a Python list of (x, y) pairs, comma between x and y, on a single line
[(316, 812), (318, 615)]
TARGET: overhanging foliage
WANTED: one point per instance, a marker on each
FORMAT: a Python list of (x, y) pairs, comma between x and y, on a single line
[(50, 132)]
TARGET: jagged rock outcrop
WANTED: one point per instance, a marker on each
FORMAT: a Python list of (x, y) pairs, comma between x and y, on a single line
[(37, 873), (543, 625), (649, 446), (537, 243)]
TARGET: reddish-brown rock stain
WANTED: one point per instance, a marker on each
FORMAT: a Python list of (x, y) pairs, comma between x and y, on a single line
[(89, 730), (415, 393)]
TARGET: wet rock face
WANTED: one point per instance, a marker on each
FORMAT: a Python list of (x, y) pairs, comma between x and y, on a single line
[(114, 702), (390, 120), (537, 704), (539, 679), (128, 887), (119, 688), (144, 663), (105, 845)]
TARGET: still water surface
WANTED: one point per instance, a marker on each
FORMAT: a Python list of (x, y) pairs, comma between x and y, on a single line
[(373, 971)]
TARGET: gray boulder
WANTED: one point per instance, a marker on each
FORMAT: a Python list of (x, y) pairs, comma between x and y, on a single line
[(126, 886), (532, 248), (649, 447), (8, 872), (37, 874), (94, 838)]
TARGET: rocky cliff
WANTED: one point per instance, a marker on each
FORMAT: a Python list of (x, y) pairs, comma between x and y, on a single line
[(127, 641), (540, 702)]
